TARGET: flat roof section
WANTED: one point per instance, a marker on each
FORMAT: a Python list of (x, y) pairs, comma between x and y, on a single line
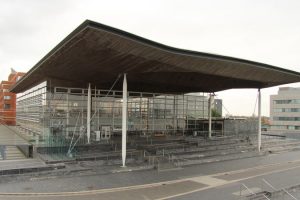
[(95, 53)]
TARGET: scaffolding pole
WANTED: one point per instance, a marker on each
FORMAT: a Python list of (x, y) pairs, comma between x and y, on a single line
[(124, 121)]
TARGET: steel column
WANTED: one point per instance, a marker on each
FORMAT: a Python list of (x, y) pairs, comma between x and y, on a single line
[(209, 115), (124, 121), (88, 118), (259, 121)]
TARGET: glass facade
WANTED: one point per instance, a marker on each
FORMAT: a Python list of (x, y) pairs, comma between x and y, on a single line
[(62, 113), (31, 107)]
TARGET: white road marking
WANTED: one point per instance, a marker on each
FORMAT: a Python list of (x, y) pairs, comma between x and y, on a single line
[(209, 180)]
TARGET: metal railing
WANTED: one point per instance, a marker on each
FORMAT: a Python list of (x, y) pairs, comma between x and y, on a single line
[(250, 191), (289, 194), (274, 189)]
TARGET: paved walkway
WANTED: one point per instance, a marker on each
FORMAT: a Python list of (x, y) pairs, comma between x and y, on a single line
[(91, 180), (164, 190)]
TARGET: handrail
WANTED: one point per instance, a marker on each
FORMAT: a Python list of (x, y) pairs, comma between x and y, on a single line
[(289, 194), (253, 193), (248, 189), (269, 184)]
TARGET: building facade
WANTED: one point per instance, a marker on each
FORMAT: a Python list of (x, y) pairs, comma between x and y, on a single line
[(83, 98), (8, 99), (285, 110), (62, 111)]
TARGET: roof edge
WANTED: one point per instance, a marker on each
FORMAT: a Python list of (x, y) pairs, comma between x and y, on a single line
[(93, 24)]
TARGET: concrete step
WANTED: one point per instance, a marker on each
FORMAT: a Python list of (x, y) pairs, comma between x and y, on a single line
[(202, 149), (280, 147), (166, 165), (14, 167), (208, 143), (13, 153), (233, 156), (282, 143), (198, 155)]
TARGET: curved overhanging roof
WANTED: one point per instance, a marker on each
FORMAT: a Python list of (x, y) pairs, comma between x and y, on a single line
[(95, 53)]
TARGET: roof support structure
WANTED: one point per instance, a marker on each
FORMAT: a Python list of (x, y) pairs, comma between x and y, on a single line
[(95, 53), (88, 118), (209, 115), (124, 121), (259, 121)]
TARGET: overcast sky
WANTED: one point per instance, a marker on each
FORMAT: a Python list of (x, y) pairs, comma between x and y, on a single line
[(266, 31)]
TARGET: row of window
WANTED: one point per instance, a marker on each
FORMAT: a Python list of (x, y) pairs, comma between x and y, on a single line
[(286, 118), (287, 101), (288, 127), (286, 109)]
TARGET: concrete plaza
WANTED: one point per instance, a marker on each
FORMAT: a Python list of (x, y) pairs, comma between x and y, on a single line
[(208, 181)]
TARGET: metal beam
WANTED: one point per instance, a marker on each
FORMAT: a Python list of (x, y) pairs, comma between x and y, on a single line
[(124, 121)]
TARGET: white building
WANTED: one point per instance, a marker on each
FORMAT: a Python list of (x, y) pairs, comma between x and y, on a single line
[(285, 110)]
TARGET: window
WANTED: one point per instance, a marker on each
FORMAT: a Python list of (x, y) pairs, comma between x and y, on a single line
[(6, 106), (291, 127), (286, 109), (7, 97), (279, 127), (286, 118), (289, 101)]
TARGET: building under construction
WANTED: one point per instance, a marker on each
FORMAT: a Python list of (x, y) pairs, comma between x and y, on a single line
[(103, 89)]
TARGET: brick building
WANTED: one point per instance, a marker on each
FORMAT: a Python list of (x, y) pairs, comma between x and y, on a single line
[(8, 99)]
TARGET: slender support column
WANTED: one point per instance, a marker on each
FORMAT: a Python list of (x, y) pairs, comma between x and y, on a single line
[(68, 115), (183, 115), (209, 115), (124, 120), (88, 117), (165, 114), (95, 108), (259, 121), (174, 115)]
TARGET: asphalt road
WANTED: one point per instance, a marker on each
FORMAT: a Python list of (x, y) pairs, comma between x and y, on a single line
[(222, 185)]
